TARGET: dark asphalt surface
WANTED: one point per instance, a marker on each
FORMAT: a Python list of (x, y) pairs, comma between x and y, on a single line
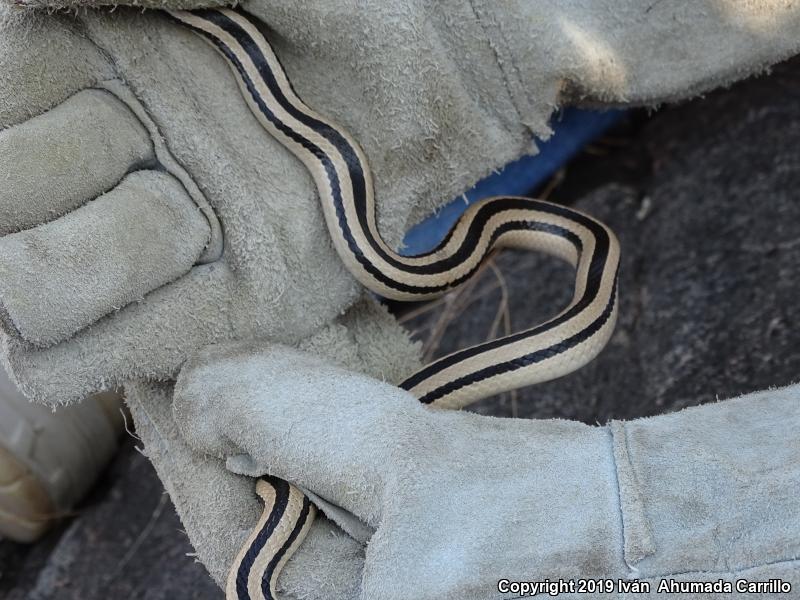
[(704, 198)]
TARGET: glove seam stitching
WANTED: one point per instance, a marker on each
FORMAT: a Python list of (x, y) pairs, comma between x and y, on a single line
[(501, 53), (166, 158), (618, 490), (635, 524)]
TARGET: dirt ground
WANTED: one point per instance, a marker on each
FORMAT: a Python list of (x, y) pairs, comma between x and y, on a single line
[(704, 199)]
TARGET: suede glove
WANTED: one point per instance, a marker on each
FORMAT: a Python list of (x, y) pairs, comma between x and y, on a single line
[(145, 214), (460, 502), (150, 215)]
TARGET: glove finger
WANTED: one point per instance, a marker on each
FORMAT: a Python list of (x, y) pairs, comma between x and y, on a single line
[(44, 60), (219, 509), (291, 415), (59, 160), (150, 338), (208, 499), (59, 277)]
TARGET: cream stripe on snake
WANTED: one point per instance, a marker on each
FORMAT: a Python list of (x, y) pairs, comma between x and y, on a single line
[(342, 176), (285, 522)]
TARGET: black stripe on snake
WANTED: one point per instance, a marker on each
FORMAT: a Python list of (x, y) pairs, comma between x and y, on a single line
[(343, 180)]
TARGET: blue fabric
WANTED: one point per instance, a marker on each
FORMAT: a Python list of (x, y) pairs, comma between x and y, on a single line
[(573, 130)]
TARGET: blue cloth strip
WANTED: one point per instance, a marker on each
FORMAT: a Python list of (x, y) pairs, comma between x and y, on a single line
[(572, 131)]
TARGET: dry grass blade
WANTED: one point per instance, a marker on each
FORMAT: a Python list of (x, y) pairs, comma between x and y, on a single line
[(552, 184), (455, 303), (502, 307)]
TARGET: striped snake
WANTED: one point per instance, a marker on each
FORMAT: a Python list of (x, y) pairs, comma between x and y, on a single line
[(342, 177)]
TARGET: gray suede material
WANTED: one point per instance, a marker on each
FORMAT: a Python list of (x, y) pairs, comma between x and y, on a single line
[(78, 268), (439, 95), (589, 51), (80, 149), (219, 509), (717, 485), (45, 60), (278, 278), (459, 501)]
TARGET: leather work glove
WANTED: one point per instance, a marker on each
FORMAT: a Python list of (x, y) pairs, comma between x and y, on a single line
[(102, 211), (459, 502), (171, 220), (145, 214)]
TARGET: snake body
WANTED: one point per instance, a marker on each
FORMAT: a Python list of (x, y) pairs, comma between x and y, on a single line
[(341, 174)]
